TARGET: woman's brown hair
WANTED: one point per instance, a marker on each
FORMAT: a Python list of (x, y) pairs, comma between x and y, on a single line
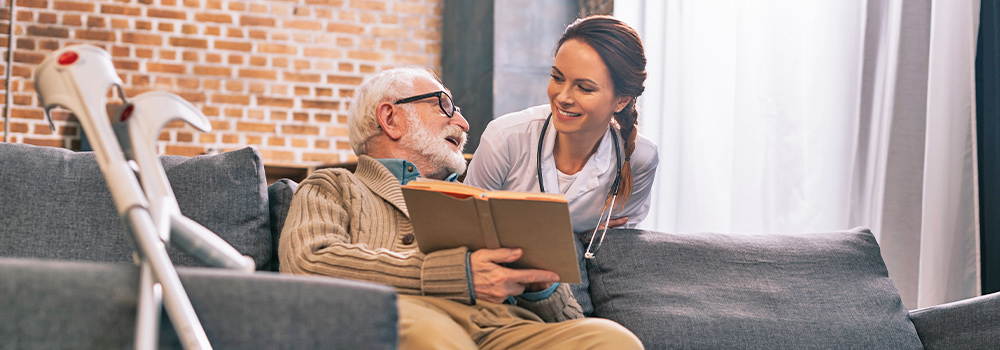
[(621, 50)]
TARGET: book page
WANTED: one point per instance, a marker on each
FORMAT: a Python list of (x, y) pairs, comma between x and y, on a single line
[(454, 189), (548, 197)]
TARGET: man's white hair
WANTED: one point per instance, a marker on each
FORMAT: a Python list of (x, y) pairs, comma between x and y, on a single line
[(386, 86)]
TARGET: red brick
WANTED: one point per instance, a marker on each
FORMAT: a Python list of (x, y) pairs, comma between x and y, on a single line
[(231, 99), (213, 31), (22, 43), (206, 138), (420, 9), (345, 28), (214, 18), (42, 4), (257, 127), (368, 5), (161, 13), (193, 97), (390, 32), (257, 21), (268, 154), (47, 31), (300, 143), (189, 29), (18, 127), (95, 22), (187, 83), (213, 58), (213, 71), (187, 151), (233, 45), (165, 27), (321, 52), (275, 102), (29, 57), (165, 68), (303, 25), (302, 91), (318, 104), (259, 74), (300, 117), (20, 113), (340, 79), (188, 42), (116, 9), (184, 137), (126, 65), (95, 35), (120, 23), (143, 25), (42, 142), (275, 48), (142, 39), (300, 129), (366, 55), (257, 34), (302, 78)]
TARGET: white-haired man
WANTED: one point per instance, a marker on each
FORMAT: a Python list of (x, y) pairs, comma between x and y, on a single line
[(404, 124)]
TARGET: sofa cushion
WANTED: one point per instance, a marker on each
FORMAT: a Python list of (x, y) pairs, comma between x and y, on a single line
[(714, 291), (88, 305), (279, 199), (57, 205)]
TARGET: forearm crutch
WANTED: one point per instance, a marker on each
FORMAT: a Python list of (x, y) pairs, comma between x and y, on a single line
[(78, 78)]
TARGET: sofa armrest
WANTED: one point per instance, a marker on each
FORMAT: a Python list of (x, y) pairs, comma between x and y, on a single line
[(972, 323), (62, 304)]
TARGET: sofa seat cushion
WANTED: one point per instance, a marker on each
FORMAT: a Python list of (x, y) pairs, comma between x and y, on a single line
[(715, 291), (57, 205), (89, 305)]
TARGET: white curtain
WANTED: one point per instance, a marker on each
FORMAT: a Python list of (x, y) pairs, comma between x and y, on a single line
[(788, 116)]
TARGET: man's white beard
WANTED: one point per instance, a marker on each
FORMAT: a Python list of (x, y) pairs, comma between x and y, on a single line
[(435, 150)]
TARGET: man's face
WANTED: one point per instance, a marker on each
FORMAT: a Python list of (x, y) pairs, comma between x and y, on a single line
[(433, 136)]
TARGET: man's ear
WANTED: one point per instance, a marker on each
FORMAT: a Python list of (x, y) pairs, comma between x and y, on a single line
[(390, 120)]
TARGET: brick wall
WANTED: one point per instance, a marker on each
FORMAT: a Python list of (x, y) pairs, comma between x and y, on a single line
[(277, 75)]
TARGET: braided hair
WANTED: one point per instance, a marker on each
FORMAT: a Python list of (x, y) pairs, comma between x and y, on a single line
[(621, 50)]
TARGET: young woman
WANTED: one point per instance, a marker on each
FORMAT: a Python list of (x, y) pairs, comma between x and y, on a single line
[(584, 143)]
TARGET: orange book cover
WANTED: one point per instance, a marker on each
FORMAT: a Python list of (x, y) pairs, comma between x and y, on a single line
[(449, 214)]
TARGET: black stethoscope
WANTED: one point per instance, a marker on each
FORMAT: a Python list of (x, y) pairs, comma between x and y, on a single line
[(613, 193)]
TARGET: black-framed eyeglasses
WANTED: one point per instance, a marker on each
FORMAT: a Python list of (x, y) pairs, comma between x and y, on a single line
[(444, 101)]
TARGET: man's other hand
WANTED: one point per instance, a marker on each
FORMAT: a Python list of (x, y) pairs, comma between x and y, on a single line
[(494, 283)]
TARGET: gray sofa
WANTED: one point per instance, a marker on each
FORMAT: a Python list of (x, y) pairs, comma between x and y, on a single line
[(66, 280)]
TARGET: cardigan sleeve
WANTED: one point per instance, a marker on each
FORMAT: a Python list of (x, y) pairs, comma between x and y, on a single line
[(336, 227), (560, 306)]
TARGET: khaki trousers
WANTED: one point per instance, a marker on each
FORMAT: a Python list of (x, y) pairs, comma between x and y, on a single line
[(435, 323)]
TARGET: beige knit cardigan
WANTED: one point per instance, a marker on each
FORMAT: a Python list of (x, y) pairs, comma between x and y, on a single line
[(352, 225)]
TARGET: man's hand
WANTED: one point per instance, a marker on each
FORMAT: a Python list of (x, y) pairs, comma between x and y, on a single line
[(613, 222), (494, 283)]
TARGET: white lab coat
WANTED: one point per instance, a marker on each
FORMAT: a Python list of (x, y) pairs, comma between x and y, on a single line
[(506, 160)]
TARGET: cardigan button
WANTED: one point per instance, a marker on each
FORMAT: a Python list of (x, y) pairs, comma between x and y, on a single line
[(408, 238)]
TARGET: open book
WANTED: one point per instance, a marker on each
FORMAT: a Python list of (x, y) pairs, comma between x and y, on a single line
[(449, 214)]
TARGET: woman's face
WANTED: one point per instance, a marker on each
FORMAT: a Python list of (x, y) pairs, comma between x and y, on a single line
[(581, 93)]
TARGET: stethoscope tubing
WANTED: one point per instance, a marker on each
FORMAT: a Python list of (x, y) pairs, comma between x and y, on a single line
[(618, 156)]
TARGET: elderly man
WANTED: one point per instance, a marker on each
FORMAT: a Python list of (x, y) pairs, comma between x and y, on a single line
[(404, 124)]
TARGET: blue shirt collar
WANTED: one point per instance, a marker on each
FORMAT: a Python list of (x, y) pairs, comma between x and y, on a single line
[(406, 171)]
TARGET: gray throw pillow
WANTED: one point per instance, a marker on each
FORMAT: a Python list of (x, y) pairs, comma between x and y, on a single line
[(57, 205), (279, 199), (715, 291)]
